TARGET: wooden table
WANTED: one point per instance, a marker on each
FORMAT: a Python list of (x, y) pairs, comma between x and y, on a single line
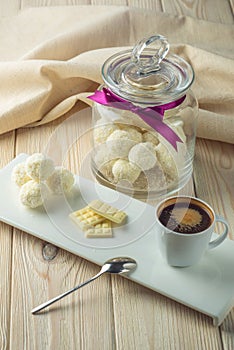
[(113, 313)]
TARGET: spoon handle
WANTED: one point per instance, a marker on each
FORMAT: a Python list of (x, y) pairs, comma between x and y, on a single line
[(53, 300)]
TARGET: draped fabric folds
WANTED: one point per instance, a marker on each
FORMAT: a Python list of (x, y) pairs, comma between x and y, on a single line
[(51, 59)]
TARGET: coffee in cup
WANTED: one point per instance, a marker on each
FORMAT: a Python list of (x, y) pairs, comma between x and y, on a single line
[(185, 226), (183, 216)]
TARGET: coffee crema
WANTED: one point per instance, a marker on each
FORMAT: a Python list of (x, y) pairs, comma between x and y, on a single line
[(185, 217)]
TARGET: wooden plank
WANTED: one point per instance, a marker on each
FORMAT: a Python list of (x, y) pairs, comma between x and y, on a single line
[(227, 332), (5, 289), (81, 318), (212, 10), (7, 142), (153, 321)]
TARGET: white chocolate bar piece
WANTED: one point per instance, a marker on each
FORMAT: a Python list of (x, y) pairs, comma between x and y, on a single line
[(107, 211), (102, 230), (85, 218)]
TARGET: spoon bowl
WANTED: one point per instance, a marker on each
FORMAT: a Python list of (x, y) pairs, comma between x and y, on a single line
[(119, 265)]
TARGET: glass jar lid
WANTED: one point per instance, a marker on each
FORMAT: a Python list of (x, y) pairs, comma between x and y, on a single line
[(144, 75)]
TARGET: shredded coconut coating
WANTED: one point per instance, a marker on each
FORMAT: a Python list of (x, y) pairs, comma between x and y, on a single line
[(143, 155), (62, 180), (32, 194), (167, 162), (19, 175), (134, 135), (39, 167), (125, 170), (119, 144), (101, 132)]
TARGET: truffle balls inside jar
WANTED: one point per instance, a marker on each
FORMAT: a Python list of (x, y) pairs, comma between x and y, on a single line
[(166, 161), (150, 137), (102, 132), (32, 194), (61, 180), (39, 167), (134, 135), (125, 170), (143, 155), (19, 175), (119, 143)]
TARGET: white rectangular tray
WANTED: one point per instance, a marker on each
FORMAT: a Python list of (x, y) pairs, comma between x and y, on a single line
[(207, 287)]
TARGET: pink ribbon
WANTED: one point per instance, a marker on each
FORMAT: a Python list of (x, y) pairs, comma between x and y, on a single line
[(153, 116)]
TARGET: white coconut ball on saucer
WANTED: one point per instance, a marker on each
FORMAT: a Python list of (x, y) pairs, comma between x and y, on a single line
[(39, 167), (33, 193), (19, 175), (62, 180)]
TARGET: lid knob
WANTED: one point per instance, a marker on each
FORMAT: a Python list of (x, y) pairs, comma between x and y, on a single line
[(153, 62)]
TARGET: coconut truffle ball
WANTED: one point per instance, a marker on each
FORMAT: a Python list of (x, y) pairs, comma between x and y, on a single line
[(150, 137), (19, 174), (39, 167), (133, 133), (167, 162), (61, 180), (118, 135), (119, 143), (125, 170), (32, 194), (143, 155), (101, 132)]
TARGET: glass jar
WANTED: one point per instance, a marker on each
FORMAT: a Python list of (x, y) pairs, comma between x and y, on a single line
[(144, 121)]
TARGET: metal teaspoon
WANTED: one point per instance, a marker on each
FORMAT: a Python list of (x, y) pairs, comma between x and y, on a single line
[(119, 265)]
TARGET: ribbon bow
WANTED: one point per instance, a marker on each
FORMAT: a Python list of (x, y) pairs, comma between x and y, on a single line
[(153, 116)]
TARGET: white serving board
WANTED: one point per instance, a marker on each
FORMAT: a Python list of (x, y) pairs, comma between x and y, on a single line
[(207, 287)]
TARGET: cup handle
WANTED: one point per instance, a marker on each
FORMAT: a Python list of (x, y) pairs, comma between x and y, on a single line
[(221, 237)]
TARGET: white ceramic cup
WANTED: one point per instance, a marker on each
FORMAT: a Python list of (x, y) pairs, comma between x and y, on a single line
[(186, 249)]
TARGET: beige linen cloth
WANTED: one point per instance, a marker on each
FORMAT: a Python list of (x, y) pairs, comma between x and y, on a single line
[(51, 58)]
